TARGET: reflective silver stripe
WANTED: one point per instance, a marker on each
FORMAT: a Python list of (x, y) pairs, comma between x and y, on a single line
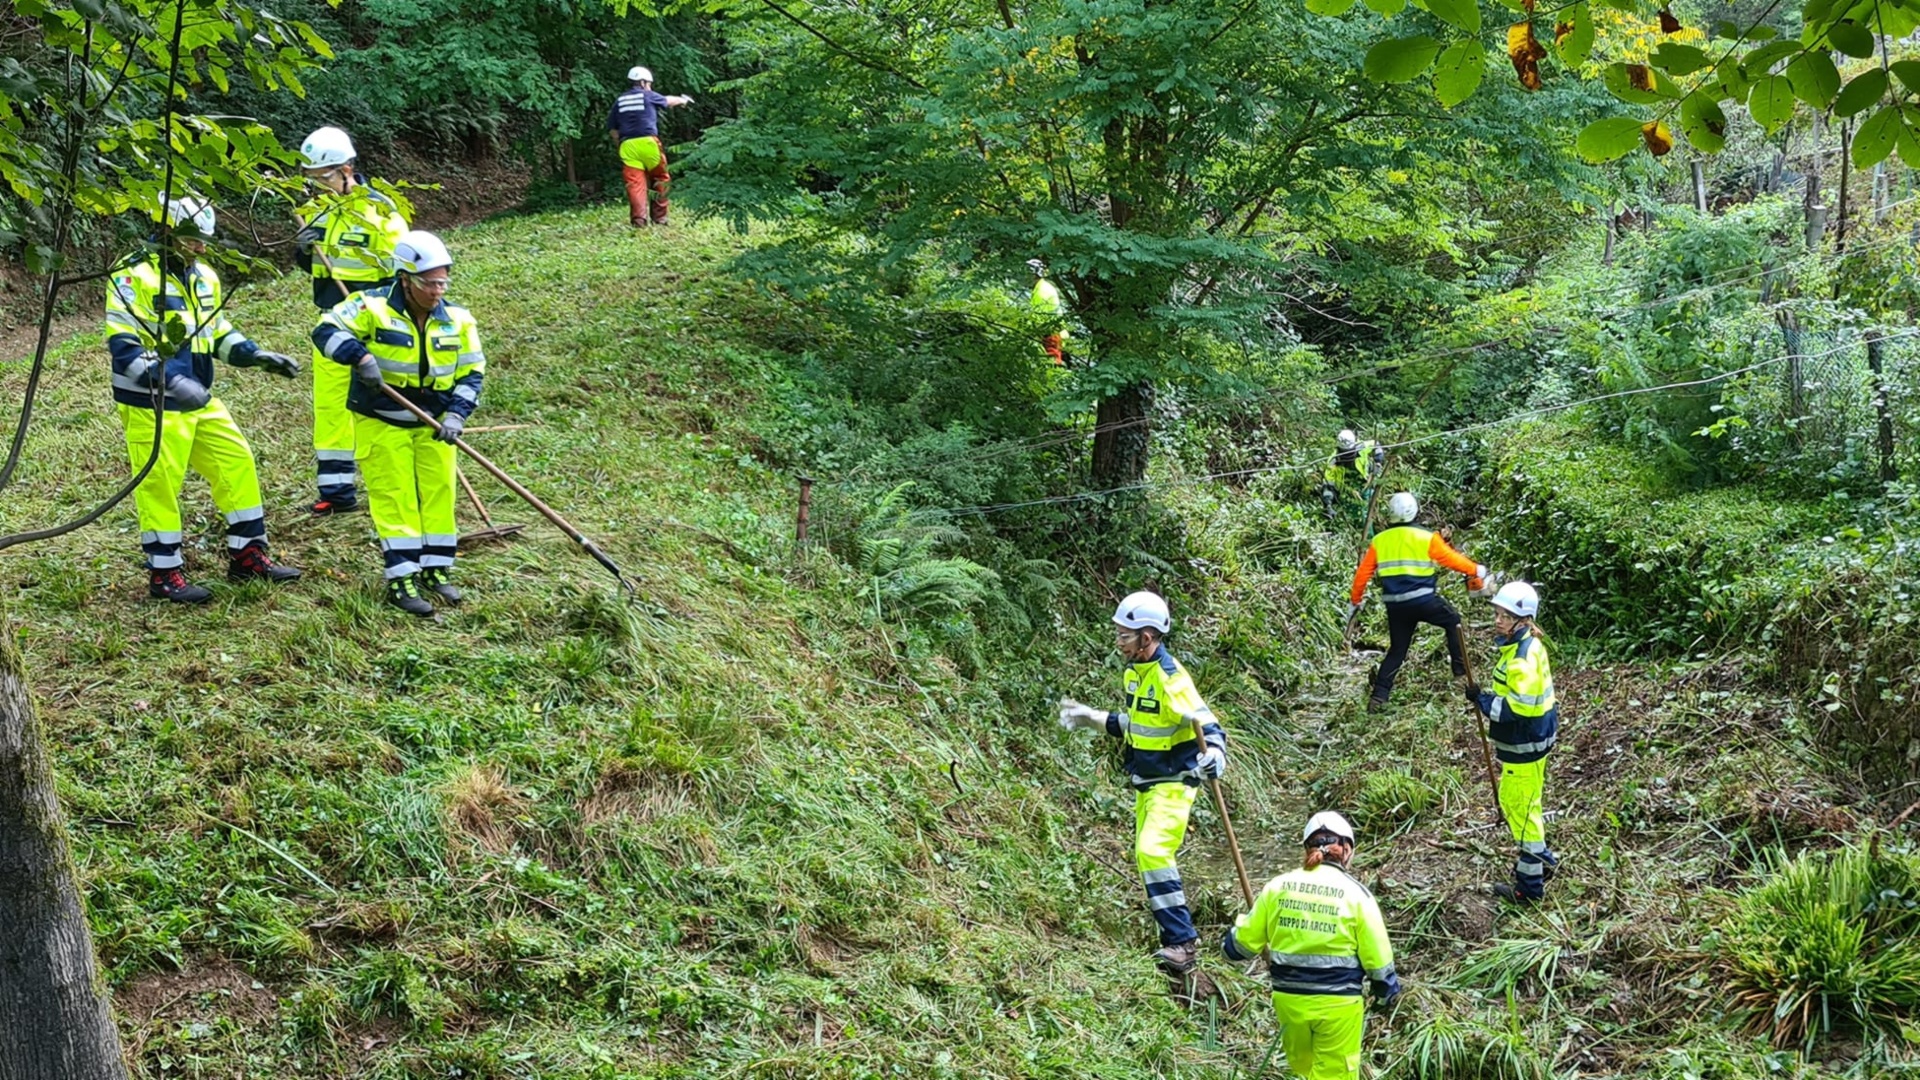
[(333, 455), (1499, 708), (1380, 974), (161, 537), (235, 543), (436, 560), (251, 513), (1528, 699), (1406, 564), (228, 342), (1172, 899), (334, 340), (1148, 731), (1286, 985), (440, 539), (393, 414), (1538, 847), (1525, 747), (399, 543), (466, 393), (1315, 960), (410, 367), (1165, 873), (347, 262), (1396, 598), (166, 562), (403, 570), (122, 382), (118, 321), (472, 358)]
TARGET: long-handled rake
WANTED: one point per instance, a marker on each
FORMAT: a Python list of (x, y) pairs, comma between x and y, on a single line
[(491, 532)]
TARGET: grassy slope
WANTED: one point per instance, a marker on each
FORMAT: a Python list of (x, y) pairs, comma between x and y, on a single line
[(554, 837), (558, 838)]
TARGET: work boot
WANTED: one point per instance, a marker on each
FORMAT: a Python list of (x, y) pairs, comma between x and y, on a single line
[(404, 593), (1178, 959), (1376, 705), (173, 585), (1511, 895), (439, 581), (334, 506), (251, 563)]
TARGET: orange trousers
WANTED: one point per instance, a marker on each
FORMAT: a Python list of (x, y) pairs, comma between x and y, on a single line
[(647, 192)]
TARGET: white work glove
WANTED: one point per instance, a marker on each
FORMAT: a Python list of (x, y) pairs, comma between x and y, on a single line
[(1489, 582), (1212, 764), (1075, 715)]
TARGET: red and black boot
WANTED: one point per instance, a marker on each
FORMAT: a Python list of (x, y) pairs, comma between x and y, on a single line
[(251, 563), (173, 585)]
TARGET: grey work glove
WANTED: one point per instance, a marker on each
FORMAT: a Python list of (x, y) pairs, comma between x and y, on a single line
[(366, 372), (187, 392), (146, 370), (451, 424), (309, 236), (1075, 715), (1213, 764), (279, 363)]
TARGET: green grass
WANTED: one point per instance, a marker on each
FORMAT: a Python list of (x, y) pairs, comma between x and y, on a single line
[(745, 829)]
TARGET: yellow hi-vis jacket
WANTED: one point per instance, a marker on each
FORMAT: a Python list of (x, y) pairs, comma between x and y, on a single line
[(1357, 469), (148, 307), (358, 231), (440, 369), (1322, 931), (1046, 302), (1166, 726), (1523, 717)]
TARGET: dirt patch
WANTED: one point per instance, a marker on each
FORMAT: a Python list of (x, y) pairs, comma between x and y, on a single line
[(204, 990)]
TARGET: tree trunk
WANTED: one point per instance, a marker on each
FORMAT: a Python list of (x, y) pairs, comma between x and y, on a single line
[(1121, 440), (1613, 230), (55, 1019), (1816, 211), (1699, 185), (1846, 174)]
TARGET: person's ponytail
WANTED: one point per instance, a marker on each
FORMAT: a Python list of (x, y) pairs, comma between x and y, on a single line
[(1314, 857)]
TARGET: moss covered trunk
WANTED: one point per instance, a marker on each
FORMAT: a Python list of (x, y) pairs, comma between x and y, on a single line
[(55, 1021)]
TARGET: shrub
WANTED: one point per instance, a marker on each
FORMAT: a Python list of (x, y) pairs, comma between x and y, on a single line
[(1828, 943)]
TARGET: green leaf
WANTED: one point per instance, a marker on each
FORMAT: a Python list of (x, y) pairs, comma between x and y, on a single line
[(1576, 44), (1853, 39), (1875, 139), (1771, 102), (1605, 140), (1460, 14), (1704, 123), (1907, 139), (1330, 7), (1760, 33), (1398, 60), (1761, 60), (1678, 59), (1814, 78), (1866, 88), (1389, 8), (1620, 80), (1908, 72), (1457, 74)]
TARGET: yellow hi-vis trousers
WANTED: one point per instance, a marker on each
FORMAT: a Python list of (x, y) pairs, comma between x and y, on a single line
[(207, 441), (410, 482), (1160, 816), (1523, 804), (1321, 1034), (332, 429)]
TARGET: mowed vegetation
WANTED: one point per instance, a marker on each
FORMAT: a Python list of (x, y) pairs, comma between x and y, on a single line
[(806, 813)]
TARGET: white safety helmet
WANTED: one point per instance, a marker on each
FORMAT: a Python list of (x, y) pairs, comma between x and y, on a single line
[(191, 210), (1039, 268), (1346, 440), (1402, 507), (639, 74), (419, 251), (1329, 821), (1518, 598), (326, 148), (1143, 609)]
